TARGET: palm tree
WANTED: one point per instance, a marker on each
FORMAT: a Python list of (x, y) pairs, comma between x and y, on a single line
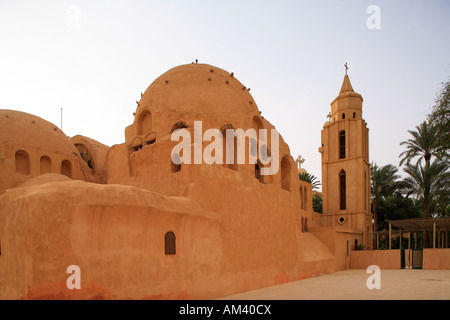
[(423, 144), (430, 183), (384, 183), (440, 118), (310, 178)]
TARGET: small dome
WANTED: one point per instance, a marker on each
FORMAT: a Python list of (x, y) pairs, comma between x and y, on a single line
[(31, 146), (24, 129)]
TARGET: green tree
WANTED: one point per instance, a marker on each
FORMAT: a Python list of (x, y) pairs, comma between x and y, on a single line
[(423, 144), (317, 204), (440, 118), (384, 183), (310, 178), (396, 207), (430, 183)]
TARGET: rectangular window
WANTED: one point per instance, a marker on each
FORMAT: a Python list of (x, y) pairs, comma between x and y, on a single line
[(342, 145), (342, 190)]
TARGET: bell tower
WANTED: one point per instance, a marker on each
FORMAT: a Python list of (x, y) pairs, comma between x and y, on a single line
[(346, 168)]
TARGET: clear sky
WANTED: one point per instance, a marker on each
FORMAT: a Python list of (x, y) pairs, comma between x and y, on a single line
[(94, 58)]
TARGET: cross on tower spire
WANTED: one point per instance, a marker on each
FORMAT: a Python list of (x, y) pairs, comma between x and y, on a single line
[(346, 68)]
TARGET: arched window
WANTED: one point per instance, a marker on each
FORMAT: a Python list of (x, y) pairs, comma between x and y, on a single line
[(342, 190), (265, 151), (342, 144), (150, 138), (305, 194), (354, 115), (169, 243), (145, 122), (253, 147), (45, 164), (343, 116), (136, 144), (285, 174), (230, 149), (257, 171), (258, 125), (179, 125), (66, 168), (22, 161), (264, 146)]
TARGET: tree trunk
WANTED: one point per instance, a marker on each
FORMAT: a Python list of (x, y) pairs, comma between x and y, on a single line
[(426, 211), (427, 157)]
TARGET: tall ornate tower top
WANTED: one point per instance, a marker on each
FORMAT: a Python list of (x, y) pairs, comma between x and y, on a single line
[(348, 104)]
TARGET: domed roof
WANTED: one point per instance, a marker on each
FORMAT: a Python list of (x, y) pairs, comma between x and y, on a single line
[(24, 129), (197, 88), (302, 170), (326, 124)]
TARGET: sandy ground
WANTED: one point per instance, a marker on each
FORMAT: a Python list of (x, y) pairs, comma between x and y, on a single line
[(406, 284)]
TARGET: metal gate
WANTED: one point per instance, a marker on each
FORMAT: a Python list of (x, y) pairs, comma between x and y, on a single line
[(417, 258), (402, 257)]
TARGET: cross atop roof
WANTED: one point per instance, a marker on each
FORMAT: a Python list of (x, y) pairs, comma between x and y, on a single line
[(300, 161)]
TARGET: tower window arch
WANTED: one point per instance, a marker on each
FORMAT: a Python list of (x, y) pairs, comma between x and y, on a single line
[(342, 190), (342, 144), (169, 243), (343, 116)]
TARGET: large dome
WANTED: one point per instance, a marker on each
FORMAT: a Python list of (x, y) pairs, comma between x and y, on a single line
[(24, 129), (197, 89)]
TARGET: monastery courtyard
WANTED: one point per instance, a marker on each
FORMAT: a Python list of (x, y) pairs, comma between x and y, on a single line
[(403, 284)]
